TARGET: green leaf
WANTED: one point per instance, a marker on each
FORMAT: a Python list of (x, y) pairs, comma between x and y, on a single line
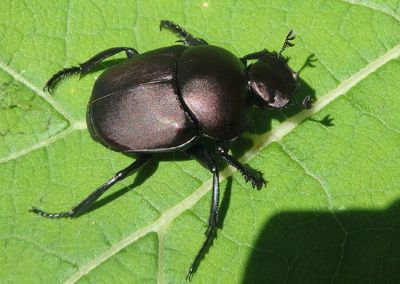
[(329, 213)]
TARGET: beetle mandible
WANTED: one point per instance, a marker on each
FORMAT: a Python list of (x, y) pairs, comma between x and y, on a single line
[(189, 98)]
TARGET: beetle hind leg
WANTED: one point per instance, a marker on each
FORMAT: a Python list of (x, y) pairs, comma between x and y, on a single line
[(188, 39), (88, 65), (254, 176), (88, 201)]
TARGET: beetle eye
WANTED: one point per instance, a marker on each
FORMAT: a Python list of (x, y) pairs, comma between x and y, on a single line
[(279, 101)]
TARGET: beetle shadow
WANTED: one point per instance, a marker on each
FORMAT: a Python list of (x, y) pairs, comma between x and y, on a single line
[(226, 200), (260, 120), (347, 246), (147, 171), (142, 175)]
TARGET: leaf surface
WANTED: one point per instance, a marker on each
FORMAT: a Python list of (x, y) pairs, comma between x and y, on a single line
[(329, 213)]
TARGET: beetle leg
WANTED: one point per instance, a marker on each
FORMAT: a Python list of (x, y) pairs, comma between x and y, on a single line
[(85, 67), (188, 39), (254, 56), (249, 174), (88, 201), (259, 54), (204, 157)]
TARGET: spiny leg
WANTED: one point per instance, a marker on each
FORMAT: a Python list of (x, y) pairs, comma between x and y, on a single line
[(88, 201), (188, 39), (204, 157), (254, 176), (85, 67), (254, 56)]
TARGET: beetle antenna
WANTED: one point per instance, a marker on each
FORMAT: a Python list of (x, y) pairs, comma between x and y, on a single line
[(287, 42)]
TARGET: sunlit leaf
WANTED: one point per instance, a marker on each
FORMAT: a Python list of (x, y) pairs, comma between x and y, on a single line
[(330, 210)]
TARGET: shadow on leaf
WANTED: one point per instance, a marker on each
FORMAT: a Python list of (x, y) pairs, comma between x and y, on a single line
[(142, 175), (351, 246)]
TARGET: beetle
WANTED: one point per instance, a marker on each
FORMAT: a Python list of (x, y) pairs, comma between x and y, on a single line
[(190, 97)]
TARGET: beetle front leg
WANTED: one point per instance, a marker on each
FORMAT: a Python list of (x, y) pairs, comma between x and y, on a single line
[(188, 39), (86, 66), (199, 153), (254, 56), (88, 201), (257, 181)]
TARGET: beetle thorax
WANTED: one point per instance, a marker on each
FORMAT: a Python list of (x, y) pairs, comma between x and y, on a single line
[(213, 86)]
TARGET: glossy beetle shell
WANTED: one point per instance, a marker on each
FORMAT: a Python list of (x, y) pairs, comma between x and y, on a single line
[(213, 85), (165, 99)]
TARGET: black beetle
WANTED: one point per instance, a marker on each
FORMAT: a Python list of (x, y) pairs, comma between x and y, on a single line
[(189, 98)]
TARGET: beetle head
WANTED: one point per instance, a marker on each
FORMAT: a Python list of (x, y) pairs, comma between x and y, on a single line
[(273, 82)]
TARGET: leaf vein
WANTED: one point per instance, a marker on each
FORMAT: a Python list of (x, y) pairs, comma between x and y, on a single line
[(374, 7), (161, 257), (339, 264), (44, 143), (47, 97), (41, 248), (308, 172)]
